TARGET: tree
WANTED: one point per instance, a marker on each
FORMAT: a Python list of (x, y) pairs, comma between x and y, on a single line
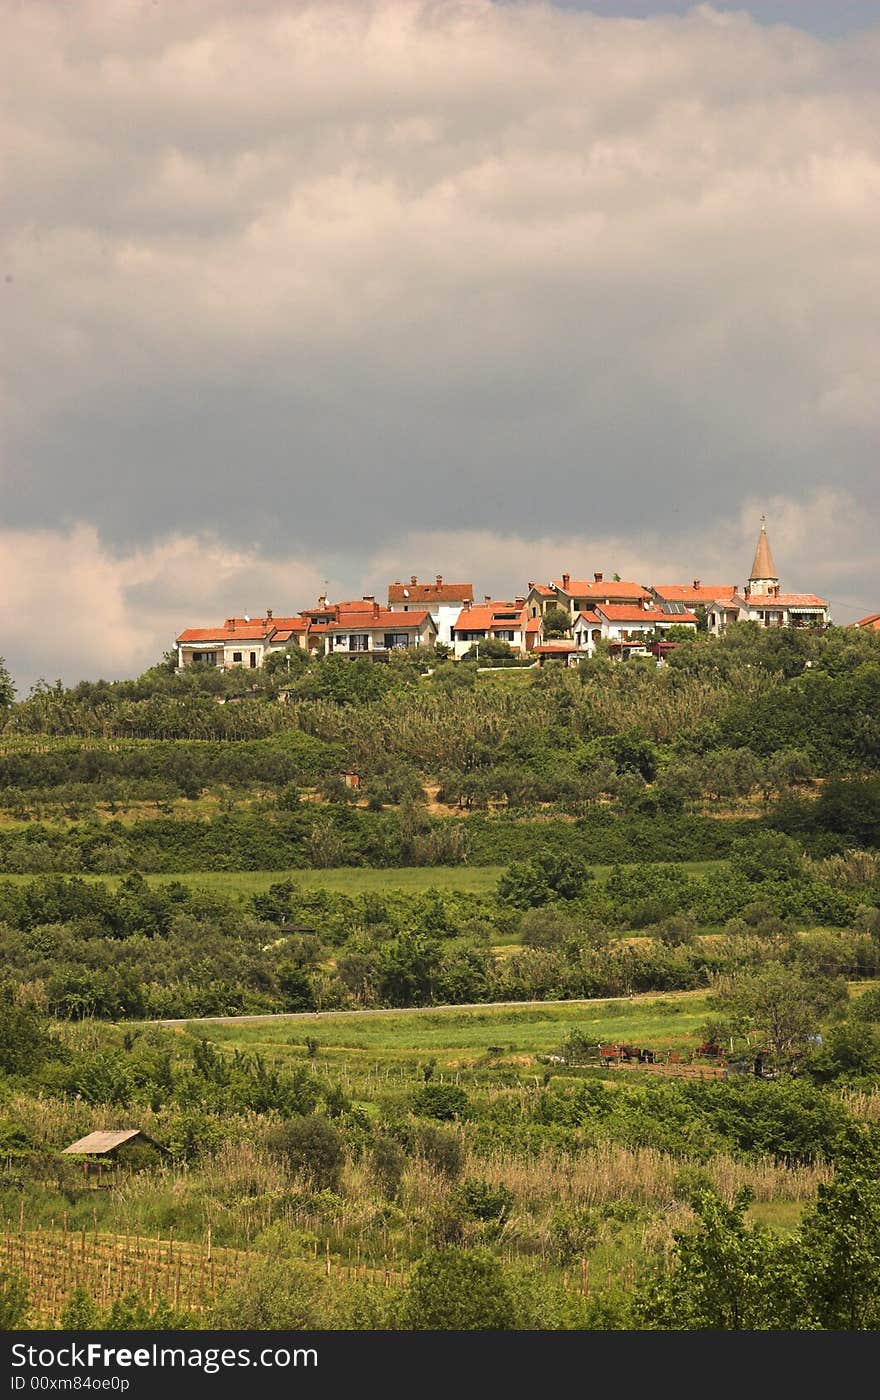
[(780, 1003), (767, 855), (557, 622), (7, 687), (458, 1290), (726, 1275), (840, 1236)]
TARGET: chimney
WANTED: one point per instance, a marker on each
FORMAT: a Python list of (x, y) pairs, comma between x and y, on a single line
[(696, 583), (322, 600), (597, 578), (229, 624), (375, 609), (413, 578), (531, 585), (368, 598), (520, 602), (268, 614), (487, 597), (439, 580), (566, 579)]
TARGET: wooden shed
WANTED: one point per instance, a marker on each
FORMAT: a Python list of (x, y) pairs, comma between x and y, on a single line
[(100, 1150)]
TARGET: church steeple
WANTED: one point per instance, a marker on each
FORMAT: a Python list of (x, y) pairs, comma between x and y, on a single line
[(763, 578)]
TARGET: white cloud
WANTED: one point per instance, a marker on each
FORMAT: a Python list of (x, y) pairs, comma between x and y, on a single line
[(315, 277)]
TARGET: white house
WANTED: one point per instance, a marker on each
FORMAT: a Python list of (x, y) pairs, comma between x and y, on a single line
[(376, 631), (444, 601), (240, 641)]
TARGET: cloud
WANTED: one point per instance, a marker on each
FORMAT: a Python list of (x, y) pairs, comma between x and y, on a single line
[(311, 279), (116, 613)]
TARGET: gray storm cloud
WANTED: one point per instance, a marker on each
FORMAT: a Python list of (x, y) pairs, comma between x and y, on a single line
[(309, 282)]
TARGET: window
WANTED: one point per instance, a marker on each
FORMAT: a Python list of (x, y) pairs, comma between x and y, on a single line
[(253, 660), (236, 656), (396, 639), (359, 641), (503, 636)]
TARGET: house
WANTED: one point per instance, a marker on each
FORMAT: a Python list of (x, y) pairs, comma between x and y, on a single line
[(762, 600), (575, 595), (871, 622), (444, 601), (376, 631), (494, 621), (586, 629), (633, 630), (240, 641)]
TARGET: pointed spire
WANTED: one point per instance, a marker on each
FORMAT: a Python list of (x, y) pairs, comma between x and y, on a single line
[(763, 568)]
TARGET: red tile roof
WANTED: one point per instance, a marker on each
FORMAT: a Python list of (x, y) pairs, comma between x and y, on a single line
[(872, 621), (593, 619), (607, 588), (548, 648), (784, 600), (625, 612), (485, 616), (245, 632), (438, 592), (694, 593), (380, 617)]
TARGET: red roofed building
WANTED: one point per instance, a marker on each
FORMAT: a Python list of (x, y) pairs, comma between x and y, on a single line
[(692, 594), (375, 631), (494, 621), (763, 601), (444, 601), (240, 641), (872, 622)]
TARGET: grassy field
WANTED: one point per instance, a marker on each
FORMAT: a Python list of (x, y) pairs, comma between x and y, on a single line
[(354, 880), (458, 1038)]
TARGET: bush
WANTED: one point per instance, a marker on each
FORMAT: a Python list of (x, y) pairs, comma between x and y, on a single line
[(483, 1201), (276, 1294), (443, 1101), (388, 1161), (312, 1148), (443, 1151), (458, 1290)]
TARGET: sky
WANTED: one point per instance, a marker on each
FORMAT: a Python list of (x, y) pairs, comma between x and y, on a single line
[(299, 295)]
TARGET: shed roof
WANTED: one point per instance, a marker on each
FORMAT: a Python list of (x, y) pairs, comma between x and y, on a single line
[(94, 1144)]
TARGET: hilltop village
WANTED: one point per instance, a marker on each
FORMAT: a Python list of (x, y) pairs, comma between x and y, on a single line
[(563, 620)]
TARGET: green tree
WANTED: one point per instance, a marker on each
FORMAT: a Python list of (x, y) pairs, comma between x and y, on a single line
[(458, 1290), (557, 622), (780, 1003), (7, 687), (840, 1237), (726, 1275)]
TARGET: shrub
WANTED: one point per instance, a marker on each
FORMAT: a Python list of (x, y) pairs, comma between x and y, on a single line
[(443, 1101), (312, 1148), (483, 1201), (458, 1290), (443, 1150)]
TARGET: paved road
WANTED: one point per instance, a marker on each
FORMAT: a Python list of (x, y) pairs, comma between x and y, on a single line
[(408, 1010)]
